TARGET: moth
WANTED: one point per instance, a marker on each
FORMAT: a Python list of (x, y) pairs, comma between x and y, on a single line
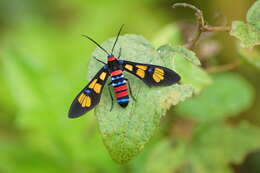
[(151, 75)]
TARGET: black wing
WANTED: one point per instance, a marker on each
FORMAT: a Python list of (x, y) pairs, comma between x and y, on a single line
[(152, 75), (89, 97)]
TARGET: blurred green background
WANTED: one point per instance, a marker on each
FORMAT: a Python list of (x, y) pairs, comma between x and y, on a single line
[(44, 63)]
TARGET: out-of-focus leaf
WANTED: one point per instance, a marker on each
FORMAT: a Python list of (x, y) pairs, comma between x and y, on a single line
[(187, 54), (189, 70), (40, 77), (229, 95), (20, 158), (169, 34), (253, 15), (248, 33), (126, 131), (250, 55), (167, 156), (212, 149)]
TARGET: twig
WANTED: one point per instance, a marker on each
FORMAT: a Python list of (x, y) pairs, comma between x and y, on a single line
[(225, 67), (215, 28), (198, 12), (202, 26)]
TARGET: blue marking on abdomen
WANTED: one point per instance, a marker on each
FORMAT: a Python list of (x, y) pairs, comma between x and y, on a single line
[(117, 77), (121, 62), (123, 100), (119, 83)]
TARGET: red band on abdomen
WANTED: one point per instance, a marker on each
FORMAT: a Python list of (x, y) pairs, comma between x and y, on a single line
[(117, 72), (122, 94), (120, 88)]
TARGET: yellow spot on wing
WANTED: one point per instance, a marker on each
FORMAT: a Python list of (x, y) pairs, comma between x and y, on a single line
[(141, 67), (92, 84), (140, 73), (158, 74), (97, 88), (158, 77), (103, 76), (87, 102), (84, 102), (129, 67), (159, 70), (81, 97)]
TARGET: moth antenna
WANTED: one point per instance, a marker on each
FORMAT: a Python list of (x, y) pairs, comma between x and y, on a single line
[(96, 43), (117, 38)]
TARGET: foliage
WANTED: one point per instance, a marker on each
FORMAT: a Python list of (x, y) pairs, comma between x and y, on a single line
[(248, 33), (169, 34), (201, 151), (227, 96), (125, 131), (44, 62), (212, 148), (251, 56), (189, 70)]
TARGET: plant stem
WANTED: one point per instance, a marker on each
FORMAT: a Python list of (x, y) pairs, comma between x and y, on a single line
[(202, 26), (223, 68)]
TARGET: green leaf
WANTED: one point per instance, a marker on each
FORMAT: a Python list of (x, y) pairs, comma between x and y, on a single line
[(167, 156), (248, 33), (205, 153), (38, 78), (229, 95), (169, 34), (187, 65), (253, 15), (21, 158), (250, 55), (126, 131), (187, 54)]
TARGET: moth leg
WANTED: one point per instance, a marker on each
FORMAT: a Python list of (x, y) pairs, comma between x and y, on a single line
[(98, 60), (110, 93), (120, 50), (130, 90)]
